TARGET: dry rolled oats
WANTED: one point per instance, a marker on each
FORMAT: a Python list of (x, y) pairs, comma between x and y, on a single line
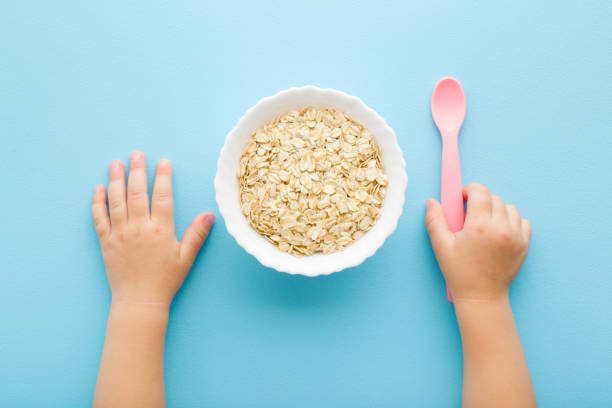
[(312, 181)]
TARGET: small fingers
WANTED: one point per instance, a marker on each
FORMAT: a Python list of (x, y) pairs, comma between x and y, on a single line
[(526, 229), (479, 202), (514, 216), (195, 236), (99, 212), (162, 205), (117, 206), (498, 208), (437, 227), (138, 199)]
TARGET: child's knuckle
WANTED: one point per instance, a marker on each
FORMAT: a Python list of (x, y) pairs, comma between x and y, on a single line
[(162, 196), (201, 234), (100, 226), (136, 193), (135, 231), (505, 238), (118, 235), (429, 220), (480, 227), (482, 189), (115, 204)]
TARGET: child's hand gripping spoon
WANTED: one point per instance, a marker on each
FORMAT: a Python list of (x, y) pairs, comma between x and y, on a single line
[(448, 111)]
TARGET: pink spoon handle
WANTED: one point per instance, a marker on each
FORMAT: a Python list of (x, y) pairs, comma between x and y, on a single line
[(451, 187)]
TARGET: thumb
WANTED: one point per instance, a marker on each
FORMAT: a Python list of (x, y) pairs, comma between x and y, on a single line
[(437, 227), (195, 236)]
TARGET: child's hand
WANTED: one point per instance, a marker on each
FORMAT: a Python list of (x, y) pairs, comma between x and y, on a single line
[(146, 266), (144, 261), (479, 262)]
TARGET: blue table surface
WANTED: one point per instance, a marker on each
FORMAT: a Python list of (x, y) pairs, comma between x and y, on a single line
[(84, 83)]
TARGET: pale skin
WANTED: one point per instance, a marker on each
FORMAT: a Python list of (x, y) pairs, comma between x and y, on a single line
[(479, 264), (146, 265)]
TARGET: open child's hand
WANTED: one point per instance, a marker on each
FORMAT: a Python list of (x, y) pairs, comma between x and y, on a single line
[(479, 262), (144, 261)]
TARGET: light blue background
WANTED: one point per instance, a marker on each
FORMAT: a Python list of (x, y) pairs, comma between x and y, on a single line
[(83, 83)]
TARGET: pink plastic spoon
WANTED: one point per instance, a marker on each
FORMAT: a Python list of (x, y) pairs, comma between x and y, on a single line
[(448, 111)]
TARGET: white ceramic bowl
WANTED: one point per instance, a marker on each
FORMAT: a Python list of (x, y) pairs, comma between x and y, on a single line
[(226, 181)]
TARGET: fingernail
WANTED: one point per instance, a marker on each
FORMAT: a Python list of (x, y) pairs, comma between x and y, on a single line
[(114, 166), (164, 163), (135, 155), (208, 220), (97, 189), (429, 204)]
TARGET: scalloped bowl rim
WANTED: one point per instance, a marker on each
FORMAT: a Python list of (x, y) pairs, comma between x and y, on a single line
[(226, 181)]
